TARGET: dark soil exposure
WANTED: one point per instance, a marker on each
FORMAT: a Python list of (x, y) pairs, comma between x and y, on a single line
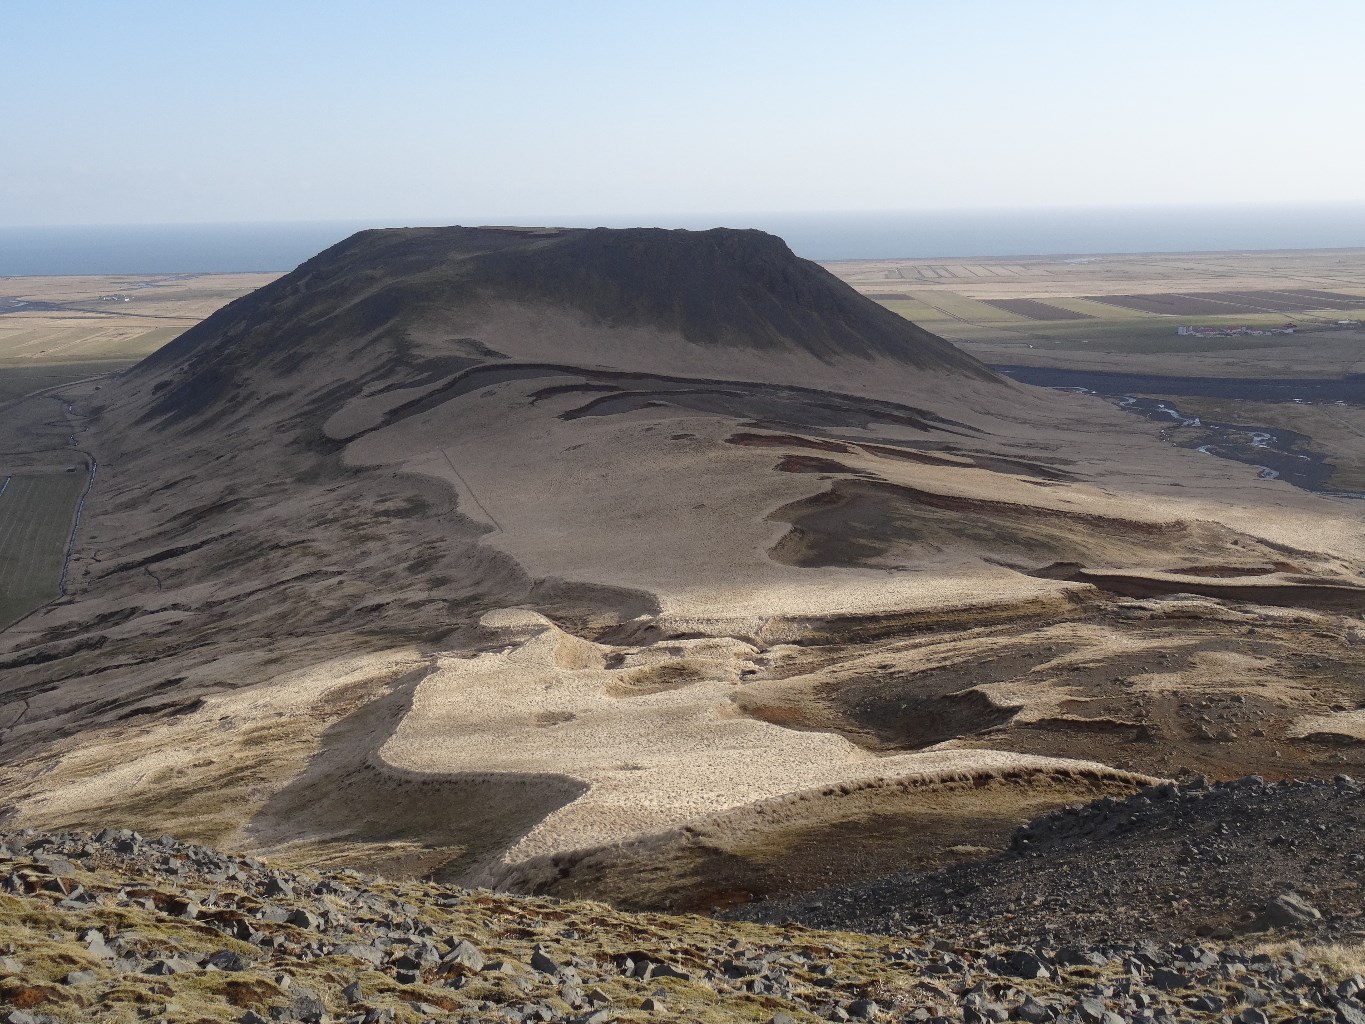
[(944, 454), (1154, 698), (810, 464), (1306, 594), (1349, 389), (869, 523), (953, 456), (1036, 309), (1276, 451), (658, 679), (1191, 724), (771, 405), (1168, 863), (804, 408), (733, 859), (1290, 301), (748, 440), (914, 455), (910, 710)]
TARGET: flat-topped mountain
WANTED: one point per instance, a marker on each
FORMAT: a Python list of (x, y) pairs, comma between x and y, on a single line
[(658, 566), (742, 290)]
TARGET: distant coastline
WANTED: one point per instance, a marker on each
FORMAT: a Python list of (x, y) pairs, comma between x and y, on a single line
[(244, 248)]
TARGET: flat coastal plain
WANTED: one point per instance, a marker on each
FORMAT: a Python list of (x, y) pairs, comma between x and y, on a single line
[(54, 330), (1120, 312), (1103, 314), (57, 331)]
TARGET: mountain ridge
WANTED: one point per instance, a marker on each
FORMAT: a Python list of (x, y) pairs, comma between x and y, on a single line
[(722, 288)]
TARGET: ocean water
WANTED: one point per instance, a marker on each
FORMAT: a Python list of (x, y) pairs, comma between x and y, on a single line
[(224, 248)]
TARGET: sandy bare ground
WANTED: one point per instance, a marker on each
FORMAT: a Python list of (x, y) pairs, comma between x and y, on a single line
[(521, 583), (658, 741)]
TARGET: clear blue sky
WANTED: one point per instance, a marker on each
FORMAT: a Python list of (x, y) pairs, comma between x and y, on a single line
[(214, 111)]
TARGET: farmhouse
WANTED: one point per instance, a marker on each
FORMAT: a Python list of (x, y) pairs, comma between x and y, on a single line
[(1226, 331)]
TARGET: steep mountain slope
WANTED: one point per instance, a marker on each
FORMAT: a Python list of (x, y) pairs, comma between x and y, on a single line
[(738, 289), (655, 565)]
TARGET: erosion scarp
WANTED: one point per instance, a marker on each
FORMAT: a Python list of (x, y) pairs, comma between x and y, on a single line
[(535, 556)]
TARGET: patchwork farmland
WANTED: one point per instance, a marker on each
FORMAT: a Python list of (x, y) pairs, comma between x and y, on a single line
[(1035, 310), (1225, 303), (36, 512), (57, 331), (1121, 310)]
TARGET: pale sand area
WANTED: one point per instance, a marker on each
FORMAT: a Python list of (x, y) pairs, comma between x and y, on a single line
[(266, 734), (653, 760), (1341, 726), (654, 500), (686, 520), (624, 500)]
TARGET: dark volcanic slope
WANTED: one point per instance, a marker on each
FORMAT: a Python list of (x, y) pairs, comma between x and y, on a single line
[(231, 538), (721, 287), (1169, 862)]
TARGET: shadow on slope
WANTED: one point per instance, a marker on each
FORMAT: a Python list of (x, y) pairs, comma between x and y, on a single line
[(356, 811), (812, 840), (724, 288)]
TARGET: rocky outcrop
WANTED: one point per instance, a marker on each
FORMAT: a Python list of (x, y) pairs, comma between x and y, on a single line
[(98, 926), (1170, 862)]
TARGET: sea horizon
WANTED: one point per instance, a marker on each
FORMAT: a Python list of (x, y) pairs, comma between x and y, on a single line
[(98, 250)]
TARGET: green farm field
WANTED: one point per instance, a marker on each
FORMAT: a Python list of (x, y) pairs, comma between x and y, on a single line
[(36, 512), (953, 300), (969, 322), (57, 331), (18, 381)]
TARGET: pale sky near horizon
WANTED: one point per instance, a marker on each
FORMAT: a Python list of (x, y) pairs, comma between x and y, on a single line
[(404, 111)]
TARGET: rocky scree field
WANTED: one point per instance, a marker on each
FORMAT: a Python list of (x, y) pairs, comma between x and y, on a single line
[(114, 926)]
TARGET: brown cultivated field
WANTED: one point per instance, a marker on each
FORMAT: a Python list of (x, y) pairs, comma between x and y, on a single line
[(1130, 302), (1222, 303), (1035, 310)]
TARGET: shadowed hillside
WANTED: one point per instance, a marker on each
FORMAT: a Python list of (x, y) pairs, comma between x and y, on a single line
[(727, 288), (656, 566)]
